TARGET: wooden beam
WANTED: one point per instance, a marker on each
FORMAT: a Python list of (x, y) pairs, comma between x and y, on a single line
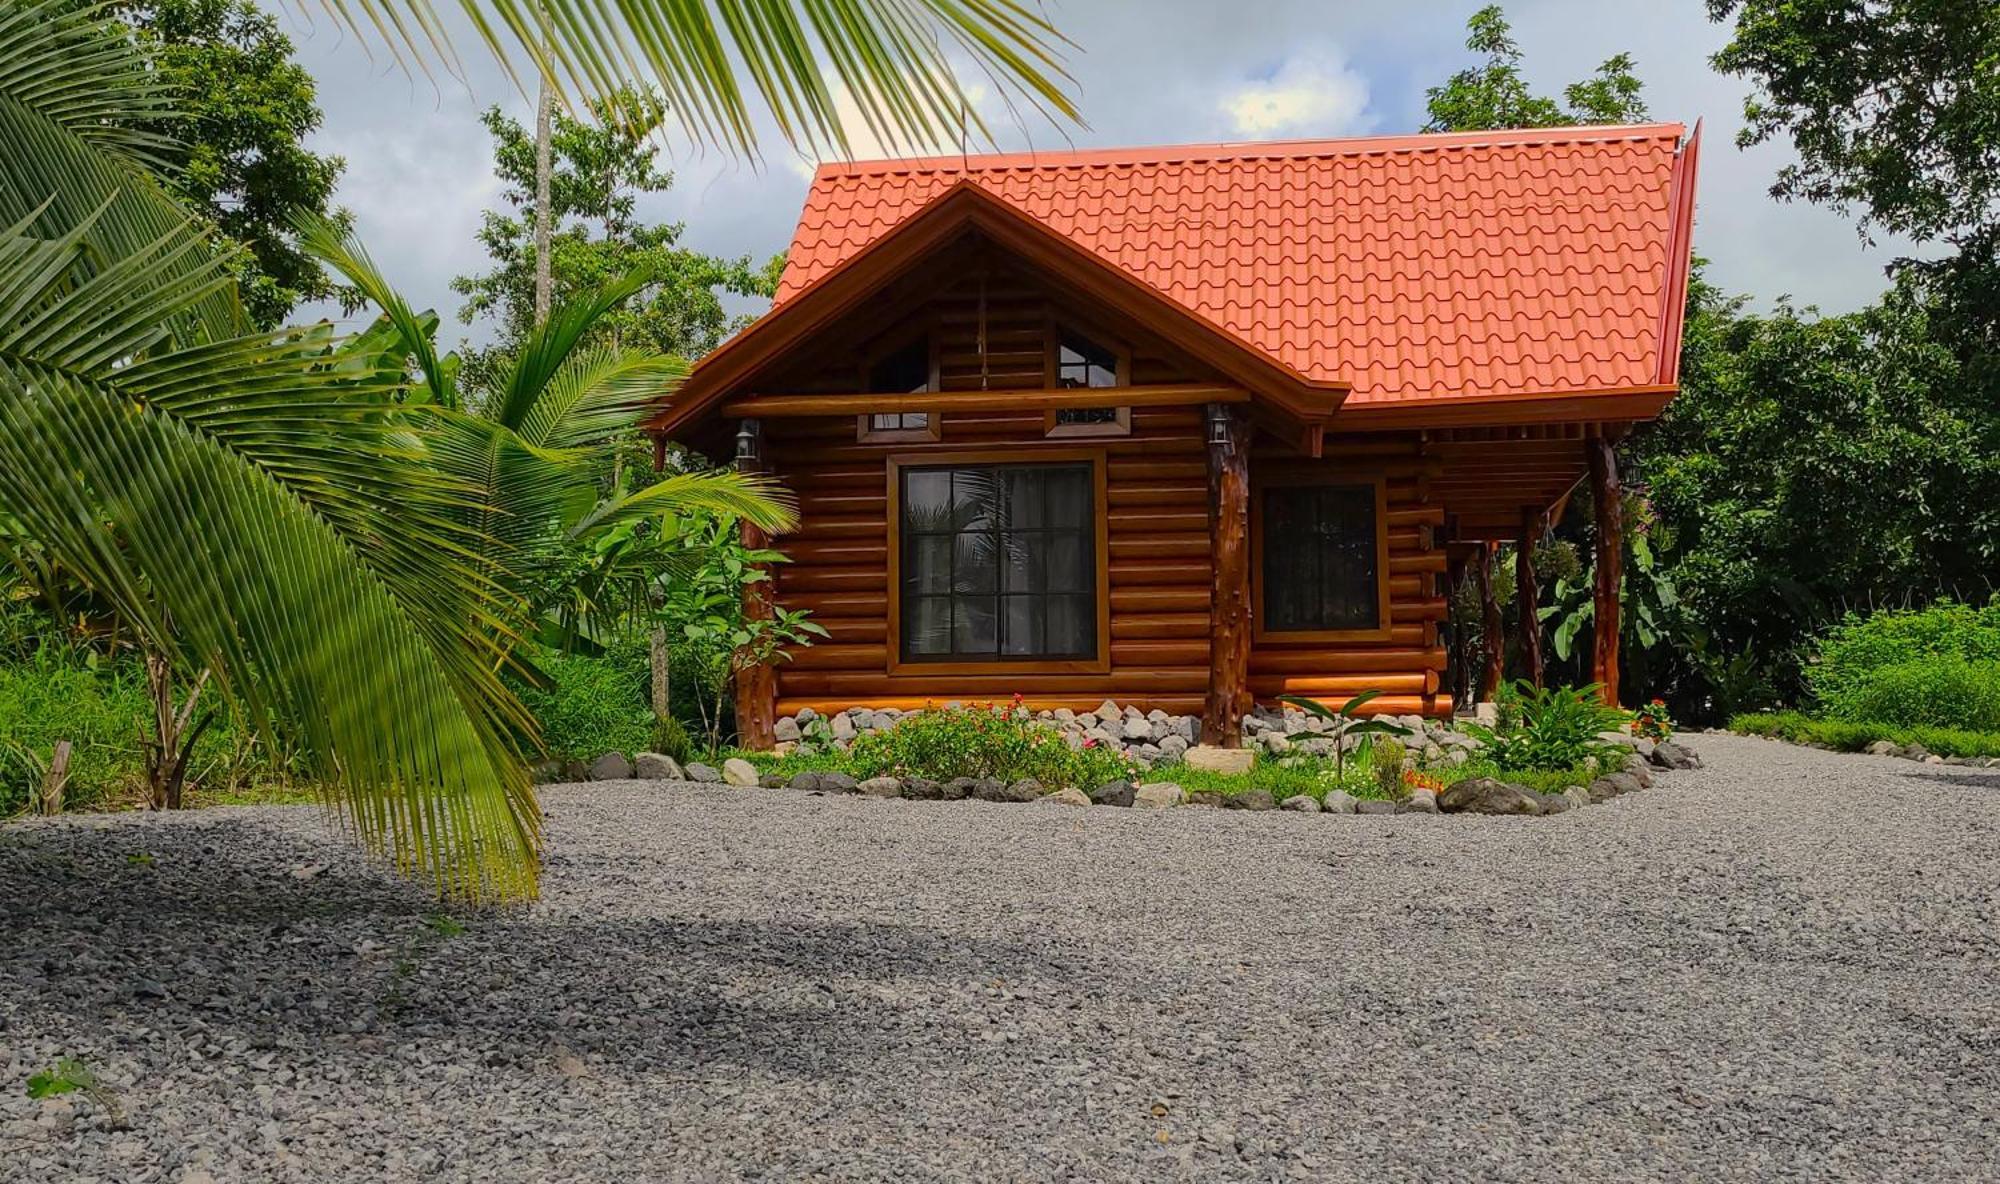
[(1527, 591), (1490, 639), (757, 684), (1610, 573), (1063, 399), (1229, 599), (1630, 403)]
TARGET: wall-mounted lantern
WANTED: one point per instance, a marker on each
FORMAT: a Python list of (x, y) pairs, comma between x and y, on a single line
[(1218, 426), (749, 443)]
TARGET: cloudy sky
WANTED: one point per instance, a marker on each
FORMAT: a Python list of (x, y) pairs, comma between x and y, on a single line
[(1163, 71)]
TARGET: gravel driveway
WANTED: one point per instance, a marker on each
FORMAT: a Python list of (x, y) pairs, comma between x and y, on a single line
[(1780, 966)]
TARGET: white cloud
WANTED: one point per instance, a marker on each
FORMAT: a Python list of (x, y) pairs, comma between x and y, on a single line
[(1313, 95)]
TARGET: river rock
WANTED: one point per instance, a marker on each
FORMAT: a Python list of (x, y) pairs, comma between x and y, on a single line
[(1485, 795), (1114, 793), (612, 766), (657, 766)]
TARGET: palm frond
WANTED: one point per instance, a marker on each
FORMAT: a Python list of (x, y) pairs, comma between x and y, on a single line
[(599, 392), (72, 86), (754, 499), (549, 346), (893, 59), (251, 507), (417, 333)]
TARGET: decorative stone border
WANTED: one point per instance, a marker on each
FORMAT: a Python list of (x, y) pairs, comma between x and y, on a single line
[(1917, 752), (1480, 795)]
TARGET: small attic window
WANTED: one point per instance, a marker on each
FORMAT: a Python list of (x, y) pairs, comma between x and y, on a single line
[(1081, 362), (905, 370)]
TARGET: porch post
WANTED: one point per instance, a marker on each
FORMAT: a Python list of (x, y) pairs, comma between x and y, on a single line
[(1527, 591), (1491, 643), (756, 685), (1610, 507), (1229, 598)]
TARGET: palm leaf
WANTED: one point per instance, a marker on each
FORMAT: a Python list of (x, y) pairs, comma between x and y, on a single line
[(891, 58), (73, 85), (248, 506)]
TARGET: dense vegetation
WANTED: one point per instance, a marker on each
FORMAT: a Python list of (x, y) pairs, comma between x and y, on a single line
[(1812, 466)]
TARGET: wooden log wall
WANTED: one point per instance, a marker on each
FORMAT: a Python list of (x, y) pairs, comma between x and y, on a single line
[(1157, 490), (991, 321), (1409, 665)]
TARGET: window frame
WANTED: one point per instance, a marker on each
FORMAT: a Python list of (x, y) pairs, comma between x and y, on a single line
[(1384, 624), (1056, 325), (1098, 662), (864, 431)]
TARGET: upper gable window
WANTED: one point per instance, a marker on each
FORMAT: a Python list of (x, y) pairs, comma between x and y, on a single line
[(905, 370), (1079, 362), (1082, 362)]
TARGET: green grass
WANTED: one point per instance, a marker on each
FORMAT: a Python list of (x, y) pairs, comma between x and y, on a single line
[(1848, 736)]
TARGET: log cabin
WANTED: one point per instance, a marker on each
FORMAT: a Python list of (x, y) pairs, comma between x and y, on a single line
[(1193, 427)]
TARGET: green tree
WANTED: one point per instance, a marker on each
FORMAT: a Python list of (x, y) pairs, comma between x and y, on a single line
[(601, 167), (242, 111), (1493, 95), (1893, 105)]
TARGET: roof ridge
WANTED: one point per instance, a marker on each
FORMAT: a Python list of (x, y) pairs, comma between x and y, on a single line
[(1249, 149)]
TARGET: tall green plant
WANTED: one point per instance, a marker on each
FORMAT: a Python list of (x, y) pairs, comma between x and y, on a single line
[(1347, 722)]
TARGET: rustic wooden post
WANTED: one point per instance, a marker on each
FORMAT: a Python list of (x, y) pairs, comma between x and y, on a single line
[(1527, 592), (1491, 642), (1454, 658), (757, 683), (1610, 507), (1229, 599)]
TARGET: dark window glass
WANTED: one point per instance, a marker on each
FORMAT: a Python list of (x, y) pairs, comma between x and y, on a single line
[(906, 421), (907, 371), (1082, 362), (1320, 558), (998, 562), (1088, 415)]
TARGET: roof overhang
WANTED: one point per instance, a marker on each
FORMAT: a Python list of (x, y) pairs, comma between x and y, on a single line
[(1303, 404)]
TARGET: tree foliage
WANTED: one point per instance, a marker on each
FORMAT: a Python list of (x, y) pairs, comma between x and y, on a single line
[(1494, 95), (241, 113), (1890, 103), (602, 166)]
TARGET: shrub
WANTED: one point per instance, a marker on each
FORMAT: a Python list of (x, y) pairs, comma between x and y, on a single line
[(671, 738), (1945, 691), (1551, 729), (1859, 646), (1386, 756), (590, 706), (984, 740), (1849, 736), (1653, 721), (101, 712)]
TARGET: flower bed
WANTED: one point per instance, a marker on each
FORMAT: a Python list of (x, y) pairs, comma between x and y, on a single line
[(1539, 762)]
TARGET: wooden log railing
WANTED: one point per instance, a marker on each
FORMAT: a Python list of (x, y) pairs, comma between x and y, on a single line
[(1063, 399), (1229, 599)]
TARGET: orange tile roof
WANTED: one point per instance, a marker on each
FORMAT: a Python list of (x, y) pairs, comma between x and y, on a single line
[(1488, 264)]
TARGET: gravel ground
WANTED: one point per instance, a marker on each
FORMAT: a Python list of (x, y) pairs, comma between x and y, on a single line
[(1780, 966)]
